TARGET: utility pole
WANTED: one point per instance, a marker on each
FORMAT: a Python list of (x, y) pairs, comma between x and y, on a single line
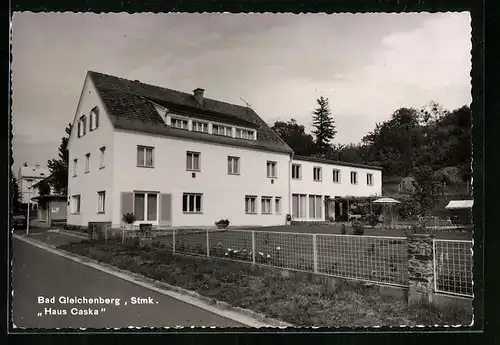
[(28, 217)]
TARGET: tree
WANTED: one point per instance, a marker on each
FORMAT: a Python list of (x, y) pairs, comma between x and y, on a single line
[(43, 188), (15, 196), (295, 136), (428, 188), (324, 126), (59, 167)]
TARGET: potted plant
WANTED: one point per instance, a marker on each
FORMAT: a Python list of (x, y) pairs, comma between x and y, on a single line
[(288, 218), (129, 219), (222, 224)]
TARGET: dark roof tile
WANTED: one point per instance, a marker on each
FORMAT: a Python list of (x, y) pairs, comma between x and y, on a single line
[(129, 106)]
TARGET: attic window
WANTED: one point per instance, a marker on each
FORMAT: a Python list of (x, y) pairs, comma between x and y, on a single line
[(244, 134), (222, 130), (94, 118), (82, 126)]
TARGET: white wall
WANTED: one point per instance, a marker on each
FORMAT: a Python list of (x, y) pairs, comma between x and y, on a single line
[(307, 185), (326, 187), (223, 194), (88, 184)]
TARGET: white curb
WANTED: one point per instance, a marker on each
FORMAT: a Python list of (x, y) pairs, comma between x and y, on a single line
[(243, 319)]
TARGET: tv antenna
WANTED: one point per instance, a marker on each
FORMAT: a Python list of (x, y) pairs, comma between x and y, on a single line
[(248, 104)]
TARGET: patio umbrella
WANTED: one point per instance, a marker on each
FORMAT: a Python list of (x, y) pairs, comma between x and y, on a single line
[(387, 201)]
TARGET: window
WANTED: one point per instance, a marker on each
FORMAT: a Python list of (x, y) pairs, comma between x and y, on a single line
[(146, 206), (266, 205), (200, 127), (75, 166), (233, 165), (271, 170), (101, 202), (82, 126), (222, 130), (75, 204), (277, 205), (244, 134), (179, 123), (369, 179), (102, 156), (87, 163), (250, 204), (193, 161), (145, 156), (299, 206), (191, 203), (317, 173), (336, 175), (354, 177), (296, 171), (94, 118), (315, 207)]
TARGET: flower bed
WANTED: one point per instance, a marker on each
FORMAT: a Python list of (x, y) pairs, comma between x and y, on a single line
[(295, 297)]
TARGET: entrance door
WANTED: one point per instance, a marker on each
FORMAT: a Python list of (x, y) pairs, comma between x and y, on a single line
[(146, 208)]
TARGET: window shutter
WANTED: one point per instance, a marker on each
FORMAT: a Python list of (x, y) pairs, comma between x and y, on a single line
[(165, 209), (127, 203)]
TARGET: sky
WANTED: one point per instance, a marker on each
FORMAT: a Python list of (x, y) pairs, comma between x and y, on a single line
[(368, 65)]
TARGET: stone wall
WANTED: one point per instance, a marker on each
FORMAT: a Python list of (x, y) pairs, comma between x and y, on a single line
[(420, 268)]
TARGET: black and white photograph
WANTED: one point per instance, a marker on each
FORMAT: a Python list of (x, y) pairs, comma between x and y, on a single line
[(241, 170)]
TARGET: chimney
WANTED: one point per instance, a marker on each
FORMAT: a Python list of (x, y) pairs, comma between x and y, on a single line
[(198, 95)]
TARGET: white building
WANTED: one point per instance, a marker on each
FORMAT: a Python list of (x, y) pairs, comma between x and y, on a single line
[(28, 176), (179, 159)]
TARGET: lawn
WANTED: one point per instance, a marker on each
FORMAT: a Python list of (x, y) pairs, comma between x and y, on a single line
[(296, 297)]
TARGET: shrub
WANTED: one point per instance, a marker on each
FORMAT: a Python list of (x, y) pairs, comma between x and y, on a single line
[(288, 217), (129, 218), (222, 223), (358, 228), (372, 219)]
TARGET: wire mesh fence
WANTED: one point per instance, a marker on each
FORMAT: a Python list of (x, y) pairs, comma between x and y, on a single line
[(377, 259), (453, 265)]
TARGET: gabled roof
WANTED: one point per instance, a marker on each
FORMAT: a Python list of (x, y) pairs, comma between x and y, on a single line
[(329, 161), (129, 106), (47, 179), (33, 172)]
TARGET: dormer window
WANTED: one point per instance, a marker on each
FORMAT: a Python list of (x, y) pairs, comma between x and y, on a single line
[(179, 123), (82, 126), (200, 127), (222, 130), (94, 118), (244, 134)]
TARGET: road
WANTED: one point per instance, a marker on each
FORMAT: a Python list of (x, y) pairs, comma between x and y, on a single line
[(38, 273)]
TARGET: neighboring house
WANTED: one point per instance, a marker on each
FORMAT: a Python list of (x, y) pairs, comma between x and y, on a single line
[(52, 208), (321, 188), (27, 177), (179, 159)]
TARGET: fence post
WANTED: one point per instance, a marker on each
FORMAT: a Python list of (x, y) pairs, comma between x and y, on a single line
[(315, 254), (173, 241), (253, 246), (208, 244), (421, 268)]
